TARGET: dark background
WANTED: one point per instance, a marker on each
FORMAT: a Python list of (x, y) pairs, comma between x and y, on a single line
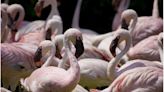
[(95, 14)]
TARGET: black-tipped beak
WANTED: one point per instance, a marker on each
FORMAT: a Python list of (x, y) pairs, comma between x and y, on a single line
[(37, 57), (10, 23), (124, 25), (48, 34), (79, 48), (114, 45), (38, 8)]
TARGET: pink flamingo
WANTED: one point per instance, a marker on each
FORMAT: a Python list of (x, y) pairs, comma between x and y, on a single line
[(103, 71), (37, 83), (113, 71), (145, 49), (16, 16), (35, 26), (146, 25), (21, 54)]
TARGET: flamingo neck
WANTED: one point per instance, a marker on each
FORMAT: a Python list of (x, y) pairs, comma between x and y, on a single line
[(111, 70), (54, 9), (20, 18), (74, 69), (133, 24), (76, 17), (155, 12), (49, 61)]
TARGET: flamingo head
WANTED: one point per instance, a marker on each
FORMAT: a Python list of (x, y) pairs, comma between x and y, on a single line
[(41, 4), (43, 49), (16, 15), (127, 17), (75, 36), (53, 27)]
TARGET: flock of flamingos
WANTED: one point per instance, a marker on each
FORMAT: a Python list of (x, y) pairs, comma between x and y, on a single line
[(40, 56)]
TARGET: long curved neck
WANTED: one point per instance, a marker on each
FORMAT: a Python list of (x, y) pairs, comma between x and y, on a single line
[(74, 69), (54, 9), (155, 12), (20, 18), (49, 61), (133, 24), (111, 70), (4, 28), (76, 16)]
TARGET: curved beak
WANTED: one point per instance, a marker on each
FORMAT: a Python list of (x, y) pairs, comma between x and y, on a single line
[(48, 34), (124, 25), (38, 8), (79, 48), (37, 57), (10, 23), (114, 45)]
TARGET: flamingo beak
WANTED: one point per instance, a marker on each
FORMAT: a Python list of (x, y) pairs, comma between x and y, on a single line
[(37, 57), (38, 8), (48, 34), (10, 22), (79, 47), (114, 45), (124, 25)]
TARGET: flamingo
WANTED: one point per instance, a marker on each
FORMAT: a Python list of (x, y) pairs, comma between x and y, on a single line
[(147, 25), (35, 26), (110, 71), (16, 16), (142, 79), (58, 83), (75, 21), (95, 76), (21, 54), (148, 46)]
